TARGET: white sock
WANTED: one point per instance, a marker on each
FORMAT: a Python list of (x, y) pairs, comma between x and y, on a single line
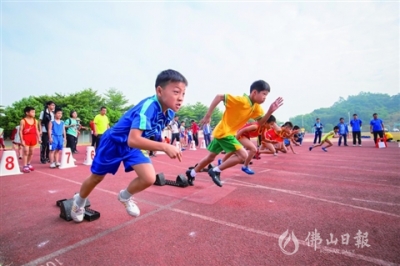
[(81, 202), (216, 169), (124, 194), (193, 173)]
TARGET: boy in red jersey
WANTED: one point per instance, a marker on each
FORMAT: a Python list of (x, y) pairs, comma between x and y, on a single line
[(30, 135)]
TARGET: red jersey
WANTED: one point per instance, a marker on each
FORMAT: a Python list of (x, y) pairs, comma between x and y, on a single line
[(29, 129), (272, 135), (195, 128), (91, 124), (253, 133)]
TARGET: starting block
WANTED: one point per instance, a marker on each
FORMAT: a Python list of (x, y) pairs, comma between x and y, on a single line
[(89, 156), (67, 160), (203, 144), (181, 181), (65, 210), (210, 166), (9, 164), (381, 143), (193, 146)]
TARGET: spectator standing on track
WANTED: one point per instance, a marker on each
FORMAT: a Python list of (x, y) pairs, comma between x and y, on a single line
[(101, 124), (207, 133), (30, 136), (318, 130), (174, 127), (356, 129), (182, 132), (71, 126), (195, 132), (91, 125), (45, 117), (343, 131), (16, 140), (56, 138), (2, 139), (376, 127)]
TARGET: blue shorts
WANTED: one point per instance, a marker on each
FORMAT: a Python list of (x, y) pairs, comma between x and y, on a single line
[(110, 154), (287, 142), (57, 144)]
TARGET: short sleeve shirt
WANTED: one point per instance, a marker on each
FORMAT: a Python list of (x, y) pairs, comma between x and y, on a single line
[(376, 124), (238, 110), (146, 116)]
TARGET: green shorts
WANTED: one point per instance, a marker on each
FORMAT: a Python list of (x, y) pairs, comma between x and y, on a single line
[(228, 144)]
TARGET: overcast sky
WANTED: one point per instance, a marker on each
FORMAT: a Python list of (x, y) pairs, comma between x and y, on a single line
[(310, 53)]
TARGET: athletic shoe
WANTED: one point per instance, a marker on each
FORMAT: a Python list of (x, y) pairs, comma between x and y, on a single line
[(189, 177), (26, 169), (324, 149), (310, 148), (31, 167), (215, 176), (219, 162), (130, 206), (359, 145), (58, 164), (53, 165), (77, 213), (247, 170)]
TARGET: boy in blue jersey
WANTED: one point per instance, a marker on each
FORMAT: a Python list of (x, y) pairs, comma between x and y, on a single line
[(56, 138), (128, 142), (343, 131)]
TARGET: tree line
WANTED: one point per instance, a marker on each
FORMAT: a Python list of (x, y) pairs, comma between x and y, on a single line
[(364, 105), (87, 103)]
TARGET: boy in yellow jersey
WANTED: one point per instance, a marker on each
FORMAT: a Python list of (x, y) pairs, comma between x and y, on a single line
[(326, 139), (238, 110)]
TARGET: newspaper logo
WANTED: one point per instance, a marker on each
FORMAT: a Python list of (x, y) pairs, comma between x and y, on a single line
[(287, 238)]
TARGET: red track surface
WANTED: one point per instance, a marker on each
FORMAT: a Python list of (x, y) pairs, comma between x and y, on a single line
[(345, 190)]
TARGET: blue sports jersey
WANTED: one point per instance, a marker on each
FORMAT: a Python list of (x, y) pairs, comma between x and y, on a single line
[(147, 115), (356, 124), (57, 129), (376, 124)]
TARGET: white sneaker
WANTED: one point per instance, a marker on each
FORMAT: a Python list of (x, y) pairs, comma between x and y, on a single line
[(131, 208), (360, 145), (77, 213), (58, 164), (53, 165)]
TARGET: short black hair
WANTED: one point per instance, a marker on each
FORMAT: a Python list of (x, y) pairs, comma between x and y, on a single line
[(341, 118), (57, 110), (192, 121), (260, 85), (50, 103), (317, 118), (296, 127), (167, 76), (70, 113), (271, 119), (103, 107), (375, 114), (288, 124), (335, 127), (354, 114), (28, 109)]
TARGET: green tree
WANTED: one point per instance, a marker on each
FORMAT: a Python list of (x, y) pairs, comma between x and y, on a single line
[(116, 100), (364, 105), (196, 112)]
